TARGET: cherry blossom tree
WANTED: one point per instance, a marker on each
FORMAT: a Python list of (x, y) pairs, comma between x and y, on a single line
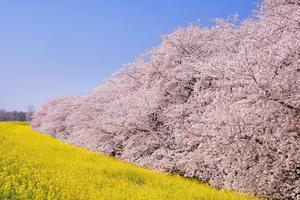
[(220, 103), (51, 117)]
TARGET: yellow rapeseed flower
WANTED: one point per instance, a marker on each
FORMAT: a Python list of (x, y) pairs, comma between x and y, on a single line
[(36, 166)]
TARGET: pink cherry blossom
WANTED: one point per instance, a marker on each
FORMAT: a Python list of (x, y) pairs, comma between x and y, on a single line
[(221, 104)]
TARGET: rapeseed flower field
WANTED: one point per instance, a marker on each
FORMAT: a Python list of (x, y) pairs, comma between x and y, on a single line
[(36, 166)]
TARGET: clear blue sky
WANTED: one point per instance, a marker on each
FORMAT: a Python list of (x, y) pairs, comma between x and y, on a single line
[(67, 47)]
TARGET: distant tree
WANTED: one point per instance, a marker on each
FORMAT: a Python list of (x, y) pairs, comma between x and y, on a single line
[(29, 112), (3, 116), (12, 115)]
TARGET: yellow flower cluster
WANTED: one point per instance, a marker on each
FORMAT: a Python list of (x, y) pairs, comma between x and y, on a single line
[(36, 166)]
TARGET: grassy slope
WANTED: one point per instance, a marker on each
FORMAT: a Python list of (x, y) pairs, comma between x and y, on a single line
[(36, 166)]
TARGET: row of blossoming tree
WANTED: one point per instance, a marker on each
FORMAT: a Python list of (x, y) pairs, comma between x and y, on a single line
[(220, 103)]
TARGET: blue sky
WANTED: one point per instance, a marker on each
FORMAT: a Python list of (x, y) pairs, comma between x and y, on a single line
[(68, 47)]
